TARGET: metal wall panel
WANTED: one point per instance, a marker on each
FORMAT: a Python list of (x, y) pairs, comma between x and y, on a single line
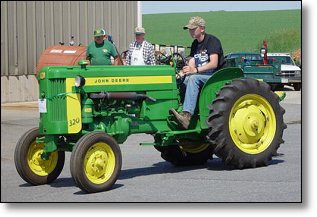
[(4, 39), (40, 29), (31, 36), (12, 39), (29, 27), (21, 38)]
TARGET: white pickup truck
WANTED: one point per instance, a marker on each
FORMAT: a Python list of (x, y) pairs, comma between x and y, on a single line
[(290, 73)]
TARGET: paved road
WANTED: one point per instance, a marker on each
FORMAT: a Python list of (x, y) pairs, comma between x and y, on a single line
[(146, 177)]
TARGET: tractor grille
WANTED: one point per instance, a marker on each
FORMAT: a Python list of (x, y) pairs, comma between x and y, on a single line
[(58, 101)]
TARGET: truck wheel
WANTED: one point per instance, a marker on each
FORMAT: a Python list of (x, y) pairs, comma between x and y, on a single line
[(297, 86), (95, 162), (29, 164), (185, 155), (246, 123)]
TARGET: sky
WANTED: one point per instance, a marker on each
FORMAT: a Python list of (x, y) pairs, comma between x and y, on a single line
[(156, 7)]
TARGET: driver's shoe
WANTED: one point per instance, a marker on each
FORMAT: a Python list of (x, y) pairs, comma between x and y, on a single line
[(182, 118)]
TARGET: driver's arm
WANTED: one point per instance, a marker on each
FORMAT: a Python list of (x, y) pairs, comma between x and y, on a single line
[(191, 68), (191, 62), (213, 63)]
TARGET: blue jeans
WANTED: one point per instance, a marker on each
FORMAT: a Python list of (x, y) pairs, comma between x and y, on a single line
[(193, 84)]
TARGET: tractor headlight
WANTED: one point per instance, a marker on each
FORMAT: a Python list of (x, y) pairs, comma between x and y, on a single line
[(79, 81)]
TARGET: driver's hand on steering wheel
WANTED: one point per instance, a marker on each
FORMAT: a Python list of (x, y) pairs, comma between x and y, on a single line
[(180, 74), (188, 70)]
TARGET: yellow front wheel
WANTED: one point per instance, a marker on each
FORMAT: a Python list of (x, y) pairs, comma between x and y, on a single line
[(96, 162), (29, 163)]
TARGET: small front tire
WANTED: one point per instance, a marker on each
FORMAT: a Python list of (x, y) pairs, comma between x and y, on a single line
[(96, 162), (29, 164)]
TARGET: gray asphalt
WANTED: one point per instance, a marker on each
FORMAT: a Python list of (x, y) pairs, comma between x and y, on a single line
[(146, 177)]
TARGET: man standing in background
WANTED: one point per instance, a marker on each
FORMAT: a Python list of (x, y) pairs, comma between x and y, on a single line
[(100, 51), (140, 51)]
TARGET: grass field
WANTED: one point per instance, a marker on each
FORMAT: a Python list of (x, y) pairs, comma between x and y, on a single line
[(237, 30)]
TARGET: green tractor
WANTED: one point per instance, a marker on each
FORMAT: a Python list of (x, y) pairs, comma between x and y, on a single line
[(89, 110)]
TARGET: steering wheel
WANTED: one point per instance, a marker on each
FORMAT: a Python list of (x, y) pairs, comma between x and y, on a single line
[(179, 62), (175, 58), (161, 58)]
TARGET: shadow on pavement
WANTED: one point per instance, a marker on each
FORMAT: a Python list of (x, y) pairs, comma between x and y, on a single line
[(157, 168), (63, 182), (165, 167), (85, 193)]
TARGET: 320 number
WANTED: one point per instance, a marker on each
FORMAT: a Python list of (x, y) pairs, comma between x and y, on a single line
[(74, 121)]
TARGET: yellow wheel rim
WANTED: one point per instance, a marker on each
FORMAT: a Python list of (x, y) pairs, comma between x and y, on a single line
[(252, 124), (99, 163), (194, 148), (37, 164)]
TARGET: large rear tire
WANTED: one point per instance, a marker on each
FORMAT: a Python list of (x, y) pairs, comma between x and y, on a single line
[(96, 162), (246, 123), (29, 163)]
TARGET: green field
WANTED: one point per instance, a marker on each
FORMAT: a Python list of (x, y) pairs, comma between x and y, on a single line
[(237, 30)]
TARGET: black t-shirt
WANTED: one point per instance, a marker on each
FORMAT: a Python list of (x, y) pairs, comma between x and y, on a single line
[(201, 51)]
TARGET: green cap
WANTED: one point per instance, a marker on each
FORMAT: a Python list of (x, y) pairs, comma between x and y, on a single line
[(99, 32)]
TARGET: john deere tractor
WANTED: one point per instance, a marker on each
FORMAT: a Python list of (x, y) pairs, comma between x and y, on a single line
[(89, 110)]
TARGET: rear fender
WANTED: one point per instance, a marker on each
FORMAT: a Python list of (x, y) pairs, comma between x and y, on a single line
[(212, 87)]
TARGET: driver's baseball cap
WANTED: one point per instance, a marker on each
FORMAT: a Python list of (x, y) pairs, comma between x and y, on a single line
[(194, 22), (99, 32)]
